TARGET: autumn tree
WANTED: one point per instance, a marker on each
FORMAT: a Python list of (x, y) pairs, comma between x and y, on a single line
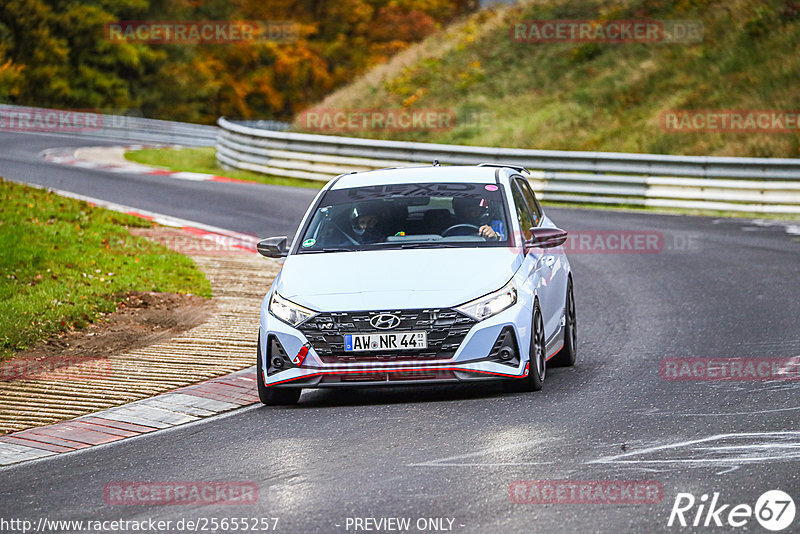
[(55, 53)]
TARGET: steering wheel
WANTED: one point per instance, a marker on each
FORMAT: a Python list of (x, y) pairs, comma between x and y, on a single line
[(456, 226)]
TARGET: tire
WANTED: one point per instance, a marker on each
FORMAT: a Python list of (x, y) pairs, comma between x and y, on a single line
[(537, 368), (567, 355), (272, 396)]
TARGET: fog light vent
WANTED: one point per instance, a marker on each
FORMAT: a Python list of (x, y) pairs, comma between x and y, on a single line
[(505, 350), (277, 359)]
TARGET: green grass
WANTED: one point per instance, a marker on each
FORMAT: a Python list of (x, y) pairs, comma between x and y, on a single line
[(65, 262), (604, 97), (204, 160)]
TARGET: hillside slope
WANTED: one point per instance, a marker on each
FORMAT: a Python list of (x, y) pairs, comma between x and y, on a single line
[(595, 96)]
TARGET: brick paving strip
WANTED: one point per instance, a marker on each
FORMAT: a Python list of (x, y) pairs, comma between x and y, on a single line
[(121, 403), (224, 343), (177, 407)]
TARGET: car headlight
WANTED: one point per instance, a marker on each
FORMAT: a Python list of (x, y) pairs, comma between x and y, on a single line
[(491, 304), (287, 311)]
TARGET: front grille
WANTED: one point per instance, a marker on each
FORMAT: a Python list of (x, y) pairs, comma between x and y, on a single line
[(446, 330)]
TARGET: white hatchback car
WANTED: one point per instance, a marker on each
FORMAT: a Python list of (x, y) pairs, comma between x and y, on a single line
[(418, 275)]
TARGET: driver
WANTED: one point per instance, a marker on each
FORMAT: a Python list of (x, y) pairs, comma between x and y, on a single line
[(475, 212)]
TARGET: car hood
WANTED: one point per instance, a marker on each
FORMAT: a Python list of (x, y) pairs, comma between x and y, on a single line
[(395, 279)]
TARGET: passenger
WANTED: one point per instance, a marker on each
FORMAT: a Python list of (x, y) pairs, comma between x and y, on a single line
[(367, 225)]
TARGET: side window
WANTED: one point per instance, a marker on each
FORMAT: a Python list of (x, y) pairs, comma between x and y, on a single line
[(533, 203), (524, 216)]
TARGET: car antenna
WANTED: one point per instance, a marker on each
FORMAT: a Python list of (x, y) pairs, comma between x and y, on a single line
[(436, 163)]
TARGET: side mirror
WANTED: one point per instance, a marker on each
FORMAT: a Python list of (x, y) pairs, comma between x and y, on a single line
[(273, 247), (545, 238)]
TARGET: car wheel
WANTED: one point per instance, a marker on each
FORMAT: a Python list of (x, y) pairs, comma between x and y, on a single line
[(537, 367), (272, 396), (568, 353)]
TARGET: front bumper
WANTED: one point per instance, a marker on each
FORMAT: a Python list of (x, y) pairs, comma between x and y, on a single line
[(469, 363)]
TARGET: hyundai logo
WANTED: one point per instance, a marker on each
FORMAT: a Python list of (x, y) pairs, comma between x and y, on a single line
[(385, 321)]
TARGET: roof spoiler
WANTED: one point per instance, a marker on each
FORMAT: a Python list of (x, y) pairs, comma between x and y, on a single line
[(518, 168)]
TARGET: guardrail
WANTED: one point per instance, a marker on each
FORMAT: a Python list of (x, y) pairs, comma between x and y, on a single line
[(95, 125), (767, 185)]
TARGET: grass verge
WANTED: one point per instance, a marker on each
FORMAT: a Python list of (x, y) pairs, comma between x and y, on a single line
[(204, 160), (65, 263)]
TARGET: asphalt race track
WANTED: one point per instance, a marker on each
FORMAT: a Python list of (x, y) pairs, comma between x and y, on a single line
[(714, 288), (253, 208)]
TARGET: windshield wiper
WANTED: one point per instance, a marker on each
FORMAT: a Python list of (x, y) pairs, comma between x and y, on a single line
[(326, 250), (422, 244)]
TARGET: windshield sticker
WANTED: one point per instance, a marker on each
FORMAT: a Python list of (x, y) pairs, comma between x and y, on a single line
[(409, 191), (309, 243), (490, 187)]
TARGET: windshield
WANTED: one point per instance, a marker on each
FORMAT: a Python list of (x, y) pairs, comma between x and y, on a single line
[(420, 215)]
